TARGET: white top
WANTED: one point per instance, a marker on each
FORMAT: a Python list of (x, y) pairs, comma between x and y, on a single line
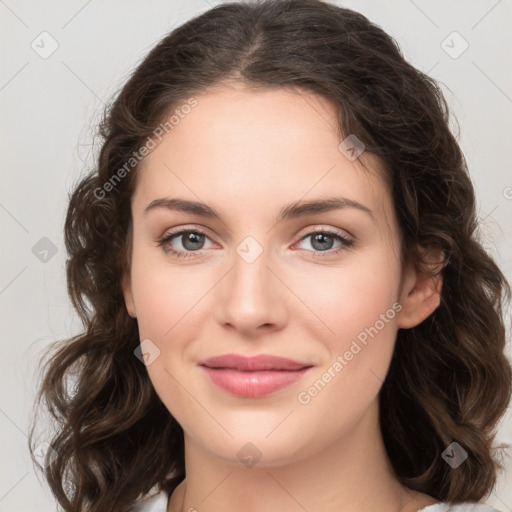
[(158, 503)]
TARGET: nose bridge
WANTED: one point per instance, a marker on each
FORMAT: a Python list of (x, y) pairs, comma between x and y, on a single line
[(250, 283), (250, 294)]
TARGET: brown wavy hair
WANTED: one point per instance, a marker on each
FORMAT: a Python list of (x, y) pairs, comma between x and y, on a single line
[(449, 378)]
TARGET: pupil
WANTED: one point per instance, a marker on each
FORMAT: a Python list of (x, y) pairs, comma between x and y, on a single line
[(192, 238), (321, 238)]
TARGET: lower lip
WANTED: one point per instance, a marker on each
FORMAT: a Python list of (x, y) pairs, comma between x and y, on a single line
[(253, 384)]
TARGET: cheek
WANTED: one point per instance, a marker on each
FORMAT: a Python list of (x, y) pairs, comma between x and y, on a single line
[(361, 310), (165, 295), (359, 305), (167, 307), (353, 297)]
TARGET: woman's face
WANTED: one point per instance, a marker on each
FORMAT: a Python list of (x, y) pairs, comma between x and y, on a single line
[(256, 281)]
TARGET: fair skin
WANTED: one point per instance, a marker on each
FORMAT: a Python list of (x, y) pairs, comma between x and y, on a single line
[(246, 154)]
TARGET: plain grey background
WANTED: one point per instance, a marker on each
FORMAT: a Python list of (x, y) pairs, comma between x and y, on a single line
[(50, 103)]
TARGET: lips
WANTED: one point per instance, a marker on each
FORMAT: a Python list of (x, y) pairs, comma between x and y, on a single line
[(253, 377), (255, 363)]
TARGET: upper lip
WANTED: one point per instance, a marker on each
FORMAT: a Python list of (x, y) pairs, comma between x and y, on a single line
[(260, 362)]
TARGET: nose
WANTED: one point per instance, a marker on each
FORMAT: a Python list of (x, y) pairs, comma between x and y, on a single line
[(251, 298)]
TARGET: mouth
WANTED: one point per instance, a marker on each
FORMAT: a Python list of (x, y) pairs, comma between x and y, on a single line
[(253, 377)]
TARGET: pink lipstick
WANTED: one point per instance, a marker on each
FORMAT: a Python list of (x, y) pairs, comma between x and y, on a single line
[(253, 377)]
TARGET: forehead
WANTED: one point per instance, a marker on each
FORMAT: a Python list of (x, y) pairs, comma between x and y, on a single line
[(243, 149)]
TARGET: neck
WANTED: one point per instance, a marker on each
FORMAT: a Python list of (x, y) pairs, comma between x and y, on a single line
[(353, 474)]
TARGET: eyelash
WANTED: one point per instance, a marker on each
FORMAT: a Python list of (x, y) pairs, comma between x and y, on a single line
[(164, 242)]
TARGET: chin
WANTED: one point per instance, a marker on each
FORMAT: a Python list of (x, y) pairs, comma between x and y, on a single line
[(258, 453)]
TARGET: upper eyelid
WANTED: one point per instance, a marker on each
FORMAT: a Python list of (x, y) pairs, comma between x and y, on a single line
[(329, 229), (182, 230)]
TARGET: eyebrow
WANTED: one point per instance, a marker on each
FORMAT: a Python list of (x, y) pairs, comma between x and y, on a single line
[(291, 211)]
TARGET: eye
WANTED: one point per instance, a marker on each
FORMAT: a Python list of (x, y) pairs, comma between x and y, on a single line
[(193, 241), (323, 241), (190, 240)]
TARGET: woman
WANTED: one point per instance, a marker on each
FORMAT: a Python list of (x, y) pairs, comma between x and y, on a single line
[(284, 300)]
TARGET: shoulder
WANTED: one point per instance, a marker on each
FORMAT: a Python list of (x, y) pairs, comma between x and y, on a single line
[(472, 507), (459, 507), (151, 503), (157, 499), (158, 503)]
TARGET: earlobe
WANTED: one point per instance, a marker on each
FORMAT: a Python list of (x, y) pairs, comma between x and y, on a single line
[(128, 296), (421, 296)]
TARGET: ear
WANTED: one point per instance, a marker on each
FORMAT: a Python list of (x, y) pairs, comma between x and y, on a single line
[(128, 295), (421, 294)]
